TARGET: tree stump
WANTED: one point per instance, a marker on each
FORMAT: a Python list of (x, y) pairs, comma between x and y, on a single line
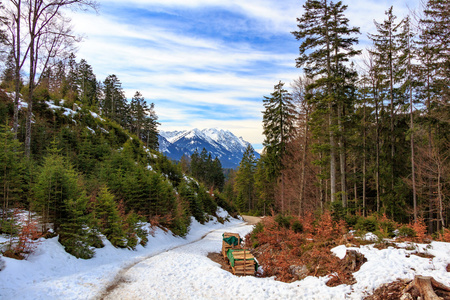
[(353, 260), (428, 288)]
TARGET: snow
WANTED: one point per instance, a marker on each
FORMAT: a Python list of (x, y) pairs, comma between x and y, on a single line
[(67, 111), (22, 102), (96, 116), (171, 267), (212, 135)]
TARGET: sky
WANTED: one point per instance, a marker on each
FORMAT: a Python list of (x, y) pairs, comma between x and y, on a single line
[(206, 63)]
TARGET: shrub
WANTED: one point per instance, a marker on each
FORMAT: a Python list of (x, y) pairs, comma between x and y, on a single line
[(369, 224), (297, 226), (337, 211), (406, 231), (351, 220), (283, 221)]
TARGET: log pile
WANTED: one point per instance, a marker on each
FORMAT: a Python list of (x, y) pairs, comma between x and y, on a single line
[(242, 262), (225, 245)]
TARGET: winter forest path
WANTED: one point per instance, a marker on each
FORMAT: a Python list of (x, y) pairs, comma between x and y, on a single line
[(119, 288), (252, 220)]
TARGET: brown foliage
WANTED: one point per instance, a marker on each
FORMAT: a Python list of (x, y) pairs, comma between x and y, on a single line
[(26, 242), (291, 256), (420, 228), (444, 235)]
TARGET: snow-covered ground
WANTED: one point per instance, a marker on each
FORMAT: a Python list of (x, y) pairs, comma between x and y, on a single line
[(177, 268)]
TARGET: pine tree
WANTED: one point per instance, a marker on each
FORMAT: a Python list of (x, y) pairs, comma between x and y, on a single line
[(8, 74), (138, 110), (87, 84), (278, 128), (327, 44), (434, 93), (11, 176), (217, 176), (436, 34), (56, 184), (244, 184), (389, 55), (105, 210), (70, 88), (114, 104), (150, 129)]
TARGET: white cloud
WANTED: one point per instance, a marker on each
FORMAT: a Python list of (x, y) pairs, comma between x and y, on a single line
[(185, 73)]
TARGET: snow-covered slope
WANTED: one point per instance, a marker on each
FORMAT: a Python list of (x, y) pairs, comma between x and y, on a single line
[(221, 143), (172, 267)]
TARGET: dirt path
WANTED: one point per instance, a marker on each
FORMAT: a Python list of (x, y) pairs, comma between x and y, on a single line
[(252, 220)]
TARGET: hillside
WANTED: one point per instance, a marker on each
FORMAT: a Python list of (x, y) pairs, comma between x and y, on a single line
[(89, 177)]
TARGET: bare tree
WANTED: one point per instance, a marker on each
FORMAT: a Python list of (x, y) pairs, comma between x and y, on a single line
[(300, 91), (49, 35), (14, 39), (432, 167)]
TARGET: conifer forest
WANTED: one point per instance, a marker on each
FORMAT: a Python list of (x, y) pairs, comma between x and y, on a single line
[(360, 132)]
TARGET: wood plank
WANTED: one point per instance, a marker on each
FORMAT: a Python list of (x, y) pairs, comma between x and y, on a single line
[(242, 265)]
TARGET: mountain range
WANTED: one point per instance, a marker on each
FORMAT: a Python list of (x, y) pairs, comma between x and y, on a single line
[(220, 143)]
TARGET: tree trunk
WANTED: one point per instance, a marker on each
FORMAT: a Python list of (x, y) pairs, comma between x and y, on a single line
[(377, 171), (30, 97), (413, 172), (364, 163), (302, 176), (332, 157), (17, 72), (342, 158)]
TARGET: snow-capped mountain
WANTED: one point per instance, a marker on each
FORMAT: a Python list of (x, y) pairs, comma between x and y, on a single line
[(221, 143)]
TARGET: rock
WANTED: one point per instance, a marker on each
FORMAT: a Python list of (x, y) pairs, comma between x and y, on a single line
[(2, 264), (298, 271), (353, 260)]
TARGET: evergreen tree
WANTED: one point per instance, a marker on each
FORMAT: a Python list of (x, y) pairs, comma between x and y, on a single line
[(327, 44), (105, 210), (150, 128), (70, 87), (389, 54), (435, 34), (11, 175), (56, 185), (434, 93), (87, 84), (114, 105), (217, 176), (8, 76), (244, 184), (278, 128), (138, 110)]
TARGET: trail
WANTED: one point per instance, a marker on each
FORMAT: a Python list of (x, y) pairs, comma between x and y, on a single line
[(182, 272), (121, 279)]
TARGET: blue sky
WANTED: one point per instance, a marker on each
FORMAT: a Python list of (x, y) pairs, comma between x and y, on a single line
[(205, 63)]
